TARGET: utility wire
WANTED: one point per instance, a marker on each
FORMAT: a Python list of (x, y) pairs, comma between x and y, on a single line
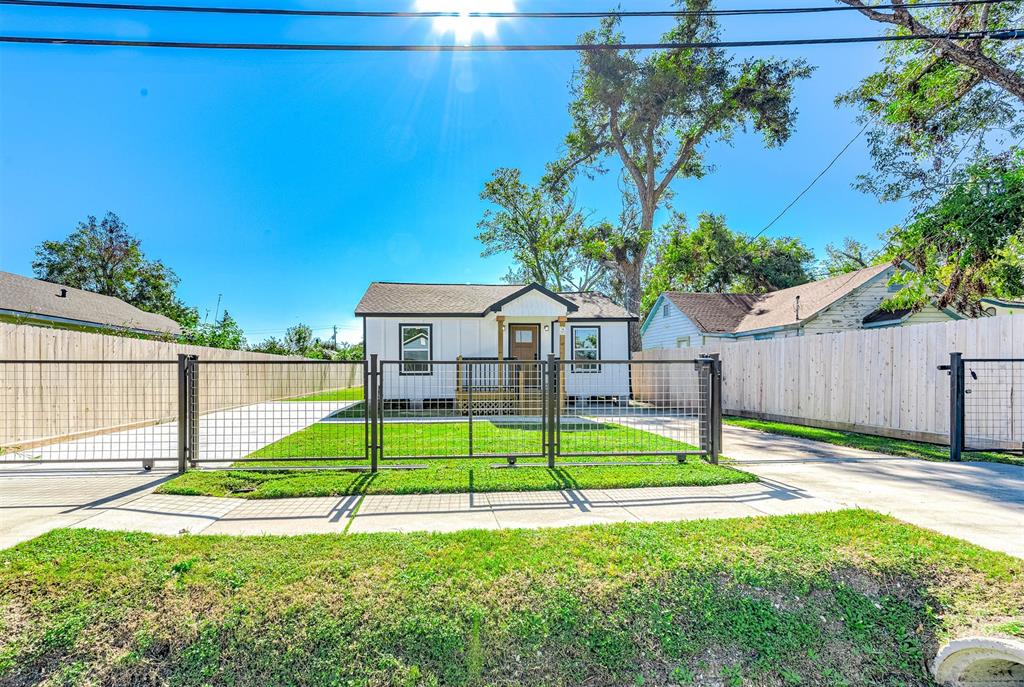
[(75, 4), (1005, 34)]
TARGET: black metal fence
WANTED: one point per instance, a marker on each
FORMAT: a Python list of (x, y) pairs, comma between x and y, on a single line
[(986, 400), (374, 415)]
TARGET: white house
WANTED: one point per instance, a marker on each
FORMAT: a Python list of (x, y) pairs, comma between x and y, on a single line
[(404, 323), (848, 301)]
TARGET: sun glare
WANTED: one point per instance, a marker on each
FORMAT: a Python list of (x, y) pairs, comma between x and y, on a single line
[(464, 27)]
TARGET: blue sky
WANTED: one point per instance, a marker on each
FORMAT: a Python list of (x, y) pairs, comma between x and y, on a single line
[(288, 181)]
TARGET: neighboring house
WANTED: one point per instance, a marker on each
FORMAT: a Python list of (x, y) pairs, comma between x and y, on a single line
[(846, 302), (404, 323), (999, 306), (24, 300)]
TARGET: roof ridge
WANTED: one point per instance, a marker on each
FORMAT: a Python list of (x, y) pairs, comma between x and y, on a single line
[(440, 283)]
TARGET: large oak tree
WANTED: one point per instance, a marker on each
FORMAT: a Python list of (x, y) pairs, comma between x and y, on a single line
[(653, 113)]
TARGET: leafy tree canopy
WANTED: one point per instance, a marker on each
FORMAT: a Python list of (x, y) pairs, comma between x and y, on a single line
[(849, 256), (653, 113), (939, 105), (540, 228), (711, 257), (105, 258), (224, 333), (969, 244)]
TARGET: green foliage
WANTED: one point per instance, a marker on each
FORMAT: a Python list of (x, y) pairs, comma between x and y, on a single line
[(299, 341), (850, 256), (105, 258), (653, 113), (815, 599), (932, 111), (711, 257), (970, 243), (539, 227), (224, 333)]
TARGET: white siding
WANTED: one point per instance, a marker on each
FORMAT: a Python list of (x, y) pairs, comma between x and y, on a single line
[(534, 303), (477, 337), (665, 331)]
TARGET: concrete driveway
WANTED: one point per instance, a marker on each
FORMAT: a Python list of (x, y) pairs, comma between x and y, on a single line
[(980, 502)]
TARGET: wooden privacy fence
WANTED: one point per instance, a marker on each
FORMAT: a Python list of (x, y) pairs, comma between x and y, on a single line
[(876, 381), (48, 402)]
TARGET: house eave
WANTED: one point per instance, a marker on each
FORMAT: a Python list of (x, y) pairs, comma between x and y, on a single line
[(85, 324)]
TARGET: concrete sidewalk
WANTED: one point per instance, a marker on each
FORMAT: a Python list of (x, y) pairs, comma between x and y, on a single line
[(980, 502)]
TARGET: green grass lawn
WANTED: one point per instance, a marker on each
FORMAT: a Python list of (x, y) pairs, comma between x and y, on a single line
[(868, 442), (454, 476), (848, 598), (352, 393)]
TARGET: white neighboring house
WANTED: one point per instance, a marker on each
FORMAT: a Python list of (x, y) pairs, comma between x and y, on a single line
[(846, 302), (409, 322)]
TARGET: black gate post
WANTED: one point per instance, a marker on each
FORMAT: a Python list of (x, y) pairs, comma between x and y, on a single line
[(716, 408), (184, 396), (372, 407), (551, 398), (956, 406), (193, 409)]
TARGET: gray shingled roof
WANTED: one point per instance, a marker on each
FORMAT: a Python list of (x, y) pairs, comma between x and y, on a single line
[(27, 296), (732, 313), (468, 300)]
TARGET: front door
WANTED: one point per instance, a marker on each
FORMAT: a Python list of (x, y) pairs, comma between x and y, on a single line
[(524, 344), (524, 341)]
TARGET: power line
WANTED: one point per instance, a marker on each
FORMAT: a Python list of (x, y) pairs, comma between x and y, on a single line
[(1004, 34), (74, 4), (813, 182)]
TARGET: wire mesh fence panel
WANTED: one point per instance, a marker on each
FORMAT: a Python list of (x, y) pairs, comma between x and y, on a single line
[(279, 413), (78, 411), (461, 409), (994, 404), (638, 409)]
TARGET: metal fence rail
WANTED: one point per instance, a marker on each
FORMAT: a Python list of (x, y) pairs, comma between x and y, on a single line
[(986, 404), (287, 414)]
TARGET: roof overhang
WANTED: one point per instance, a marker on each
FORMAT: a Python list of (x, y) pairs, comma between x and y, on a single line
[(569, 305), (85, 324)]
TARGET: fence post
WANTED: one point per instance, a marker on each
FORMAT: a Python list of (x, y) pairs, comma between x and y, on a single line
[(372, 407), (550, 398), (469, 406), (193, 409), (183, 412), (716, 408), (956, 406)]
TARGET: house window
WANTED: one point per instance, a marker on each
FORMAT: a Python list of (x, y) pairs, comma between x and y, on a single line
[(416, 344), (664, 310), (586, 345), (683, 342)]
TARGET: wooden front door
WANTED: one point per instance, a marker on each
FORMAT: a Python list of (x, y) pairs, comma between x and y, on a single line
[(524, 341)]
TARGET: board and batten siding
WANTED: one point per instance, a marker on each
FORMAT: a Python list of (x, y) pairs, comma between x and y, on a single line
[(877, 381), (664, 331), (477, 337)]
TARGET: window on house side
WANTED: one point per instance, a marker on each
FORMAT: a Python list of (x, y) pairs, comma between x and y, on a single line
[(683, 342), (416, 345), (586, 345), (664, 310)]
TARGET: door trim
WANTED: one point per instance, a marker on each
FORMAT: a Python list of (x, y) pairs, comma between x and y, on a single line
[(523, 325)]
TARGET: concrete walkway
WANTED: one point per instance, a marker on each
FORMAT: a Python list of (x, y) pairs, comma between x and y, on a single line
[(980, 502)]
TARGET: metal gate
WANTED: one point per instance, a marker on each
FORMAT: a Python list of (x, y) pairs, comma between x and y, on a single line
[(986, 404), (310, 414)]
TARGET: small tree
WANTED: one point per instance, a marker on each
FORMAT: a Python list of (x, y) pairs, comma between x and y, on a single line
[(653, 114), (539, 227), (105, 258), (849, 256), (713, 258), (224, 333)]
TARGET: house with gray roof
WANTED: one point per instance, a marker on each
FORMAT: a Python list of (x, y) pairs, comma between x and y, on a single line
[(845, 302), (24, 300), (405, 323)]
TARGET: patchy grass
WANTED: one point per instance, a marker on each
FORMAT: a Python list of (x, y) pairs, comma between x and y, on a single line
[(848, 598), (352, 393), (405, 440), (868, 442)]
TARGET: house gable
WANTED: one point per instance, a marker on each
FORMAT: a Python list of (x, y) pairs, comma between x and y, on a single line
[(661, 330), (534, 301)]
